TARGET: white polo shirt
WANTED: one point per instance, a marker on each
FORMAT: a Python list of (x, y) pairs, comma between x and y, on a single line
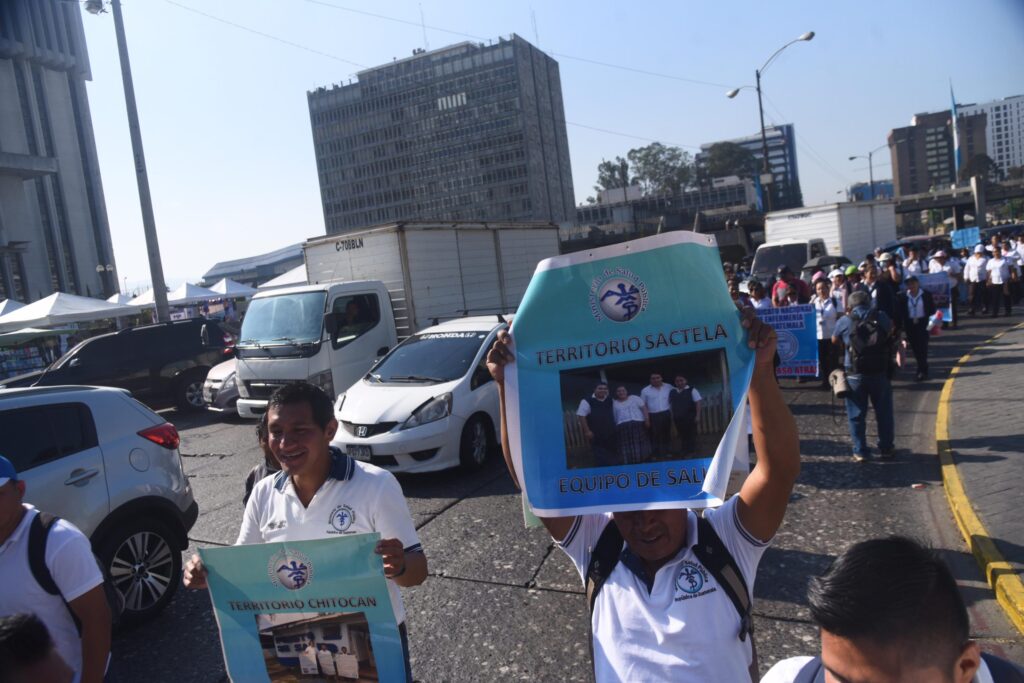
[(787, 670), (357, 498), (73, 568), (681, 628), (656, 399)]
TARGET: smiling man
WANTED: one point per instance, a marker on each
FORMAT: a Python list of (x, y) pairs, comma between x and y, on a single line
[(660, 613), (322, 493)]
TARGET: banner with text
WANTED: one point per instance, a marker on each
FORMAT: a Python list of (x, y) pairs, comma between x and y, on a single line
[(940, 287), (797, 329), (306, 608), (631, 364)]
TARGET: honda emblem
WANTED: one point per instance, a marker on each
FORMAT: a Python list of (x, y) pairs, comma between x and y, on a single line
[(361, 431)]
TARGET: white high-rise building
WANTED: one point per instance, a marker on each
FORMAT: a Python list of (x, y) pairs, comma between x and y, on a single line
[(1004, 132)]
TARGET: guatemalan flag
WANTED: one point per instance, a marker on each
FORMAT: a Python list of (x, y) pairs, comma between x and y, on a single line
[(956, 133)]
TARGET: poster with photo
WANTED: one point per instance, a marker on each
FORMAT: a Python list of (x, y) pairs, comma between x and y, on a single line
[(797, 330), (305, 610), (939, 286), (631, 365)]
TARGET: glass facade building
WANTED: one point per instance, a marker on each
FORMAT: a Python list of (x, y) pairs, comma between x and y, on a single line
[(468, 132), (781, 141)]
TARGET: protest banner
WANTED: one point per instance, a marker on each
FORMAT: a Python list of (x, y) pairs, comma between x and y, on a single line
[(638, 319), (321, 607), (965, 238), (939, 286), (797, 329)]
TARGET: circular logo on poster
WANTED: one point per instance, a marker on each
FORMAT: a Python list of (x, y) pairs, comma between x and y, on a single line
[(691, 578), (787, 345), (290, 569), (618, 295), (342, 518)]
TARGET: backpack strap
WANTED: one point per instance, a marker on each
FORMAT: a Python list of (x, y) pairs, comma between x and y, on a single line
[(717, 559), (1002, 671), (811, 672), (603, 559), (38, 532)]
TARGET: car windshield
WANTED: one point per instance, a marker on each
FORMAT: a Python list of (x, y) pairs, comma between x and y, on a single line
[(284, 319), (430, 357), (769, 258)]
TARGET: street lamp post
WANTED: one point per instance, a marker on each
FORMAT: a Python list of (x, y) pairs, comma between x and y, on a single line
[(871, 170), (156, 269), (767, 177)]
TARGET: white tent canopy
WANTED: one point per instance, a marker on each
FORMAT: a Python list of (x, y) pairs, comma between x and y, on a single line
[(8, 305), (183, 296), (230, 289), (28, 334), (119, 298), (59, 309), (295, 276)]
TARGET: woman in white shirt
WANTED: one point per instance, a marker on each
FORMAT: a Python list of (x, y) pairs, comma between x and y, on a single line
[(826, 313), (631, 424), (999, 274)]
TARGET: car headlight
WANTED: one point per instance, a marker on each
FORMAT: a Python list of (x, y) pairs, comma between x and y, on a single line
[(433, 410), (229, 382), (243, 390), (324, 381)]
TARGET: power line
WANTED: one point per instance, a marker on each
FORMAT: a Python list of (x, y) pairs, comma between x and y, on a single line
[(266, 35), (628, 135), (812, 153)]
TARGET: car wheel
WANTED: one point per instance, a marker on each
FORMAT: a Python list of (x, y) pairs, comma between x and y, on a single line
[(190, 391), (143, 565), (476, 443)]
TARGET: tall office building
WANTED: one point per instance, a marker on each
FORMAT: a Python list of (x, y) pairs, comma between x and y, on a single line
[(1004, 132), (781, 160), (53, 222), (466, 132), (922, 153)]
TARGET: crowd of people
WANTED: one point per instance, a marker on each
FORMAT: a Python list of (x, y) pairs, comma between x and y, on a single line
[(669, 590), (624, 428)]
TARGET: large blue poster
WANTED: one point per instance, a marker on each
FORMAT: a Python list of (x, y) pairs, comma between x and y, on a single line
[(797, 330), (940, 287), (965, 238), (631, 363), (288, 611)]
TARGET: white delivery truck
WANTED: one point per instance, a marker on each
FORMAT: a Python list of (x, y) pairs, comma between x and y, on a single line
[(850, 229), (370, 289)]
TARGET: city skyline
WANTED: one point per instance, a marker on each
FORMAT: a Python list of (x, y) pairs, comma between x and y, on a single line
[(229, 144)]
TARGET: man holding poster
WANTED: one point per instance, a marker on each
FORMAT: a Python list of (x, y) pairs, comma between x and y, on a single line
[(659, 610), (321, 493)]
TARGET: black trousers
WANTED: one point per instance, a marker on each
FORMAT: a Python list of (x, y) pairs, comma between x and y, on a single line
[(977, 297), (661, 433), (687, 429), (827, 359), (998, 294), (917, 337)]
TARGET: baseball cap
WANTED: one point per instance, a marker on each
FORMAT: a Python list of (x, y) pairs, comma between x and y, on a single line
[(835, 272), (940, 254), (863, 265), (783, 269), (851, 270), (7, 471), (818, 276), (885, 257), (978, 249)]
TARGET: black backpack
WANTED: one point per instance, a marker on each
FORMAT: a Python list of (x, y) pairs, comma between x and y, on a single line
[(38, 533), (1002, 671), (869, 346), (711, 552)]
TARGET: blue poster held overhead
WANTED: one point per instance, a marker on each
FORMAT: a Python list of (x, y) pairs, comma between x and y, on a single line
[(631, 370), (965, 238), (289, 611), (797, 330)]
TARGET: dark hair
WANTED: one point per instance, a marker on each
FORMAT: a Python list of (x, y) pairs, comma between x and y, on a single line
[(304, 392), (893, 592), (261, 426), (24, 641)]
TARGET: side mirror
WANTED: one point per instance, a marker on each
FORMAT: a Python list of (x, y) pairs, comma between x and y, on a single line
[(331, 324)]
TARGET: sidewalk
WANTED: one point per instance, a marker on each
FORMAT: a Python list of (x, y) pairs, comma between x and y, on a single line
[(981, 445)]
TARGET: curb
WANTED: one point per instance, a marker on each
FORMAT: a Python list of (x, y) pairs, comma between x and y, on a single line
[(1008, 588)]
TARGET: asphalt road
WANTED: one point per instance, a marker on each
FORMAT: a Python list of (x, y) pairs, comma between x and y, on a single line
[(503, 604)]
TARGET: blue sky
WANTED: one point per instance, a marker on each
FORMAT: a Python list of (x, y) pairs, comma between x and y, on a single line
[(226, 127)]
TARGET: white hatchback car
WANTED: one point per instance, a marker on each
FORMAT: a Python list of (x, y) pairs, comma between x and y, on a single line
[(109, 465), (430, 404)]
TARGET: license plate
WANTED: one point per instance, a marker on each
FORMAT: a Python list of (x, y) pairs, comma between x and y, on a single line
[(359, 452)]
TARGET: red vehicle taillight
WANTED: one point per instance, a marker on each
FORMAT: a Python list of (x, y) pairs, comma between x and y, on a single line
[(162, 435)]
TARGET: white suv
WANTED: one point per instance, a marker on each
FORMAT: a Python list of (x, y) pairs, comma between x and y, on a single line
[(106, 463), (428, 405)]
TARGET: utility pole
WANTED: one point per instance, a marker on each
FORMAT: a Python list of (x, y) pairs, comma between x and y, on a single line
[(766, 170), (156, 269)]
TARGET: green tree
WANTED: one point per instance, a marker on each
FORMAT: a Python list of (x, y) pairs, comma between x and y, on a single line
[(1015, 173), (981, 165), (727, 158), (612, 174), (660, 169)]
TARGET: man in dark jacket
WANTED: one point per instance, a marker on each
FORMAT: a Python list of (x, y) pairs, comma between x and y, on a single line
[(883, 296), (913, 309)]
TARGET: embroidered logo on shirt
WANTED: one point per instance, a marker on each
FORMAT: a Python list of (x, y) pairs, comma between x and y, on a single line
[(692, 578), (272, 525), (341, 519), (291, 569)]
